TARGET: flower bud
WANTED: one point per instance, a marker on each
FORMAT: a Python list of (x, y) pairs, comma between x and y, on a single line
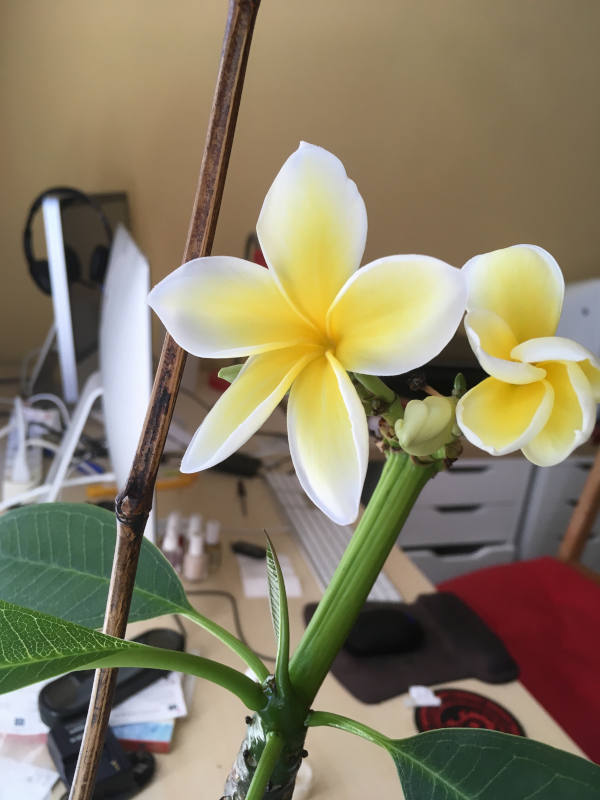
[(427, 425)]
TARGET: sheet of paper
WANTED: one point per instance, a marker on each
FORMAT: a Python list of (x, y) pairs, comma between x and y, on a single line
[(20, 779), (254, 576), (161, 700)]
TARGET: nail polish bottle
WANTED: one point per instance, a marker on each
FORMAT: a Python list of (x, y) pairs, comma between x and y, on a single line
[(213, 544), (195, 562), (194, 526), (171, 546)]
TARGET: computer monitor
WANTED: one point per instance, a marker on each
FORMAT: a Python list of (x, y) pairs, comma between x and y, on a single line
[(125, 351), (71, 222)]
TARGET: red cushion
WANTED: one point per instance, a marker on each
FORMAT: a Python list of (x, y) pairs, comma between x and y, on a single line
[(548, 616)]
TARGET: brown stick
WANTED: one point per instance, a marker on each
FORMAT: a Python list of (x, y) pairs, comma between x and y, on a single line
[(134, 503), (583, 517)]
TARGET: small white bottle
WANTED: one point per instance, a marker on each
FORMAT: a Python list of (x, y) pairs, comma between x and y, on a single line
[(195, 563), (213, 544), (194, 526), (171, 546)]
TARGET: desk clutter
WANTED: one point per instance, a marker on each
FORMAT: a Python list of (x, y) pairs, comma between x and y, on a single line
[(147, 704), (436, 639), (192, 547)]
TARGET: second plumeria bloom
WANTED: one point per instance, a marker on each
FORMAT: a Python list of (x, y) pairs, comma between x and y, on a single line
[(306, 322), (542, 391)]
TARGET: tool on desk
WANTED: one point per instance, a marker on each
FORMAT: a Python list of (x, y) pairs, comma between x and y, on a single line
[(241, 493), (248, 549)]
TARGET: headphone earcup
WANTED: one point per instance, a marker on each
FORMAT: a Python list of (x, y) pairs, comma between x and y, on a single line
[(72, 264), (38, 269), (98, 264)]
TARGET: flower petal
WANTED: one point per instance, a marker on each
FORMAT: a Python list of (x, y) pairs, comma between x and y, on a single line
[(224, 307), (572, 419), (523, 284), (312, 229), (553, 348), (245, 405), (396, 313), (592, 373), (329, 439), (493, 342), (502, 417)]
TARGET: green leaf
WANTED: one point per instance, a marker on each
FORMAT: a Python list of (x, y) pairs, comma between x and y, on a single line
[(477, 764), (57, 558), (279, 615), (35, 646), (466, 763)]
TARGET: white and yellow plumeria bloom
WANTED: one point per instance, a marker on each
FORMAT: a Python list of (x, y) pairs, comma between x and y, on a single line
[(542, 391), (304, 323)]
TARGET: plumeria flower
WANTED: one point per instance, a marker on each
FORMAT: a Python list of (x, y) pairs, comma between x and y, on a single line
[(541, 394), (305, 322)]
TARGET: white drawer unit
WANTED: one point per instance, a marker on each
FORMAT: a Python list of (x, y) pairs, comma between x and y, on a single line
[(554, 494), (468, 517), (440, 565)]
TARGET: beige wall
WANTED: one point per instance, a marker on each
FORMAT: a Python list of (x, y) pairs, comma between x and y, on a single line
[(467, 124)]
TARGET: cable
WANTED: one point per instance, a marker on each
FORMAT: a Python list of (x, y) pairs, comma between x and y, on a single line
[(236, 617), (58, 402)]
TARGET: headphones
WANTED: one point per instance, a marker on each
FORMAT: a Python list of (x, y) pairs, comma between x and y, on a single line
[(38, 267)]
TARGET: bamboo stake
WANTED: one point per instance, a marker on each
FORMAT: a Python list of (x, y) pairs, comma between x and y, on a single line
[(134, 503), (583, 517)]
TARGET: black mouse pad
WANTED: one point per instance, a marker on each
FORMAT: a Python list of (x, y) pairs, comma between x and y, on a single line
[(455, 644), (463, 709)]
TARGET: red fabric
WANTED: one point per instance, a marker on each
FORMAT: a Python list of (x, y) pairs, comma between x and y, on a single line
[(548, 616)]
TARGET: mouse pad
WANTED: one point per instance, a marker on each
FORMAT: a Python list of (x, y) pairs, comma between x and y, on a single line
[(463, 709), (455, 644)]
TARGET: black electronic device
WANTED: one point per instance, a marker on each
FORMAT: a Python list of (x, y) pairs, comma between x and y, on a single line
[(120, 775), (38, 267), (67, 698), (248, 549), (240, 464)]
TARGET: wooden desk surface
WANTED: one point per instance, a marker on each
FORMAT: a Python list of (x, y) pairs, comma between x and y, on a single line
[(344, 766)]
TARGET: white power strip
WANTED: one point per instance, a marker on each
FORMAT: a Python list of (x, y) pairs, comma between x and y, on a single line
[(23, 467)]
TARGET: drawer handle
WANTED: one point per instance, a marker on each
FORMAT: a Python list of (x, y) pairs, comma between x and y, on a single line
[(458, 509), (584, 467), (467, 470)]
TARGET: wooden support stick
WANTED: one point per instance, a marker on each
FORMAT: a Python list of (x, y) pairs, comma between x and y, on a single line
[(583, 517), (134, 503)]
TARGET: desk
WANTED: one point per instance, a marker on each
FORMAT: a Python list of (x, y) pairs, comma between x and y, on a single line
[(344, 766)]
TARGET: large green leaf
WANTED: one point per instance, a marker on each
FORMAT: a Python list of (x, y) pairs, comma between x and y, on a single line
[(476, 764), (279, 615), (35, 646), (469, 764), (57, 558)]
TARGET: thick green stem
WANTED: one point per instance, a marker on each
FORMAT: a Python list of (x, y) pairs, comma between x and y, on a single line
[(268, 759), (398, 488)]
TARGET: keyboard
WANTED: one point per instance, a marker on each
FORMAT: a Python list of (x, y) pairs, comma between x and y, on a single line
[(322, 541)]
